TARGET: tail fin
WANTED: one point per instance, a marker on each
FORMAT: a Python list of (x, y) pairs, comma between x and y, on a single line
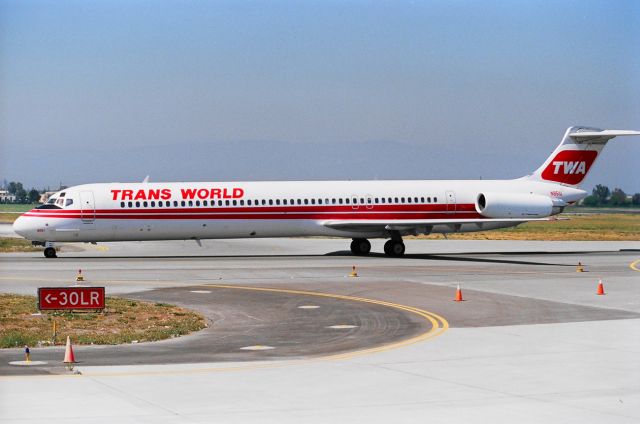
[(571, 161)]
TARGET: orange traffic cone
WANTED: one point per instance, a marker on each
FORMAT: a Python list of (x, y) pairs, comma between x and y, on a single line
[(353, 272), (69, 357), (459, 295), (600, 291)]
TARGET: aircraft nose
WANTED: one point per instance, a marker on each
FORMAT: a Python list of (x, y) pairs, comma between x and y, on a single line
[(22, 227)]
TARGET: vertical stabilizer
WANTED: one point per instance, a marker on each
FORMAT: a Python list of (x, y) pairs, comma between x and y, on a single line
[(571, 161)]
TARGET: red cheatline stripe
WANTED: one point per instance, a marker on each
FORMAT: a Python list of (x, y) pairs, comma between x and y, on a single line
[(281, 216)]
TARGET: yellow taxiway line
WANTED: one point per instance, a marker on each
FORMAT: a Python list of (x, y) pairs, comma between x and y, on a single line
[(634, 265)]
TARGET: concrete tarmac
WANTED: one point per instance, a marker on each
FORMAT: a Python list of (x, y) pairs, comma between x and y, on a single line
[(532, 341)]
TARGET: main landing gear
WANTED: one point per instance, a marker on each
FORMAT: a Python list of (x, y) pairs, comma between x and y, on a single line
[(393, 247), (360, 246), (50, 252)]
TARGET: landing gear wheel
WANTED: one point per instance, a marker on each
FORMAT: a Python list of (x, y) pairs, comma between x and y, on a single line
[(360, 247), (50, 252), (394, 248)]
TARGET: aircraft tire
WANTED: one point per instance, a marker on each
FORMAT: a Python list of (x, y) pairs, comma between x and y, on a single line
[(50, 252), (394, 248), (360, 247)]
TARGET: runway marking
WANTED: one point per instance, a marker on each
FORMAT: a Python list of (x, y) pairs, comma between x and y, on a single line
[(342, 326), (634, 265), (308, 307), (257, 347), (438, 326)]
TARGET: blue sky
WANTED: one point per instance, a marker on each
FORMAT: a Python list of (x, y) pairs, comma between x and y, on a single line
[(190, 90)]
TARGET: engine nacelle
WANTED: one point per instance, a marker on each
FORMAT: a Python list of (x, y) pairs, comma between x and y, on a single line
[(513, 205)]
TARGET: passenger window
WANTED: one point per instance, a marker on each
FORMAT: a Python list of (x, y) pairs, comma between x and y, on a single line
[(277, 201), (137, 204), (319, 201), (205, 203), (326, 201), (197, 203), (130, 204), (284, 201), (122, 204), (219, 202), (299, 201), (313, 201), (153, 204), (291, 202), (435, 200), (333, 201), (270, 202), (422, 200), (264, 202), (376, 200), (249, 202), (408, 199), (190, 202), (241, 202), (235, 203)]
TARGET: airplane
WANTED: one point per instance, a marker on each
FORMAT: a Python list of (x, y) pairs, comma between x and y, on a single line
[(359, 210)]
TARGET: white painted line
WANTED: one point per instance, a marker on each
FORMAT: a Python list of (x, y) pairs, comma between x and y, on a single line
[(342, 326), (308, 307), (27, 364), (257, 347), (201, 291)]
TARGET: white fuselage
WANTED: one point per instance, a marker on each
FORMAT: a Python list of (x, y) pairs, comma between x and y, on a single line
[(210, 210)]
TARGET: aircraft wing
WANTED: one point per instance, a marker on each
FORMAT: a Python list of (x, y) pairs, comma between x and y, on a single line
[(410, 224)]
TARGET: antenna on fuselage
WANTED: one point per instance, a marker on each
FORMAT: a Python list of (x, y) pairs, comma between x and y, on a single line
[(146, 180)]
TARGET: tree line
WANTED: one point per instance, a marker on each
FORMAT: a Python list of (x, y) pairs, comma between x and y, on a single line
[(16, 189), (602, 196)]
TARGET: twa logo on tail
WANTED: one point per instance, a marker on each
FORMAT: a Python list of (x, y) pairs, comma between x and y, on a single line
[(569, 166)]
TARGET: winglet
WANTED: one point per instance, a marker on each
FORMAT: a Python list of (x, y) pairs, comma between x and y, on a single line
[(146, 180)]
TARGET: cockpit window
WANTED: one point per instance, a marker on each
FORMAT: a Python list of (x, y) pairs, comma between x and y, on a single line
[(68, 202), (60, 202), (52, 201), (48, 206)]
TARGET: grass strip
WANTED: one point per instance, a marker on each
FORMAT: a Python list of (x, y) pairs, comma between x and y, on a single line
[(122, 321)]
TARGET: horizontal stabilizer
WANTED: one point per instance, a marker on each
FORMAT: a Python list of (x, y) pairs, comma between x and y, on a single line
[(584, 136)]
